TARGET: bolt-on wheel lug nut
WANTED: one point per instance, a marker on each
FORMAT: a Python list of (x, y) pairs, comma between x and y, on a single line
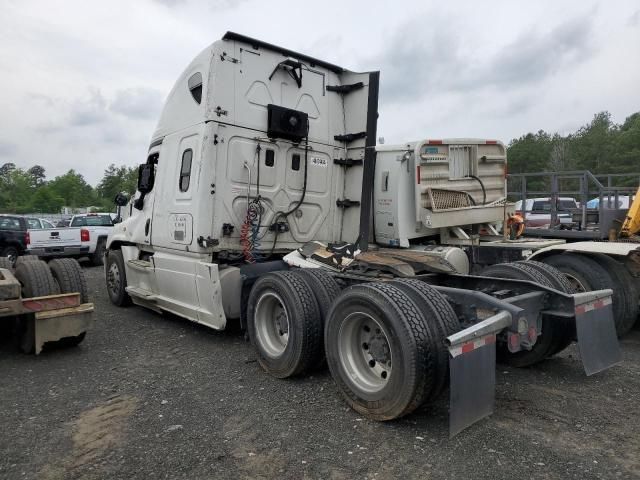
[(384, 375), (372, 363), (366, 328), (365, 346)]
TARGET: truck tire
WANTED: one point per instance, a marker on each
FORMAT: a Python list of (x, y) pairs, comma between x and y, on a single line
[(627, 285), (97, 258), (27, 258), (116, 278), (37, 281), (555, 277), (553, 332), (556, 280), (11, 252), (326, 290), (5, 262), (324, 287), (379, 350), (70, 277), (596, 272), (284, 324), (437, 311)]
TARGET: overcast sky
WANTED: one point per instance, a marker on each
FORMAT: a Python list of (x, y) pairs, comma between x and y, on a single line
[(82, 82)]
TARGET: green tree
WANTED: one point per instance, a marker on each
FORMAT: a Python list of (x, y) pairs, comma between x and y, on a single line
[(45, 201), (15, 190), (116, 180), (74, 189), (38, 176), (592, 147)]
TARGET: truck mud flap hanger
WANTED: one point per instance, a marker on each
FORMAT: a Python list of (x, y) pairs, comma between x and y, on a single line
[(472, 363)]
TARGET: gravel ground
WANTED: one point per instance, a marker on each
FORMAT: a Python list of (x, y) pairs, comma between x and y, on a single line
[(151, 396)]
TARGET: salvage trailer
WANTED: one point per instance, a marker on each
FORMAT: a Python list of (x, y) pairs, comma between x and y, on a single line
[(44, 303), (261, 202)]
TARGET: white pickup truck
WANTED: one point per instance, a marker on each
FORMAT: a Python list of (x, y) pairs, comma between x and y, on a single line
[(86, 236)]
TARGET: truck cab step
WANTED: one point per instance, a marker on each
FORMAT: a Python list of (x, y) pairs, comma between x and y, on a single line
[(142, 265), (142, 293)]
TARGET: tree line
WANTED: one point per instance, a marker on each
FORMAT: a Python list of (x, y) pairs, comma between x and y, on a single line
[(29, 191), (601, 146)]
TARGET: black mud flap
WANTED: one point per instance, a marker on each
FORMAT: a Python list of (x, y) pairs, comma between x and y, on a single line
[(596, 331), (472, 370)]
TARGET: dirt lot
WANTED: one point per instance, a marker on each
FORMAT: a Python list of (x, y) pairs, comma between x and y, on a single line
[(150, 396)]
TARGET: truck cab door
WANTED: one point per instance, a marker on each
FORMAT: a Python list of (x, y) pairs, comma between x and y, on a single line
[(141, 207)]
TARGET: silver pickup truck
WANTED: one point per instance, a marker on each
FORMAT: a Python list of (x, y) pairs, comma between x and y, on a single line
[(86, 236)]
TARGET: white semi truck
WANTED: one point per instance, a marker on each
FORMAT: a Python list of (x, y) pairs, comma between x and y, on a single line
[(264, 201)]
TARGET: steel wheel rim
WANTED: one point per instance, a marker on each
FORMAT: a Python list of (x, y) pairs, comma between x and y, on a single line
[(13, 255), (272, 324), (365, 352), (113, 278)]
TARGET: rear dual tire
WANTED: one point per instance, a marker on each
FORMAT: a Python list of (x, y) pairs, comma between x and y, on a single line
[(284, 324), (596, 272), (384, 346), (556, 334), (384, 343)]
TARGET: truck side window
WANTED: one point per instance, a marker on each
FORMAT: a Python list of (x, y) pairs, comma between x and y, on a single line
[(295, 162), (195, 86), (185, 170), (269, 159)]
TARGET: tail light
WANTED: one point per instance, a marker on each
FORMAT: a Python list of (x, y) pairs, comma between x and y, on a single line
[(84, 235), (27, 238)]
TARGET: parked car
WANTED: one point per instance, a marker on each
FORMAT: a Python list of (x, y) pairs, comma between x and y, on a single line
[(64, 223), (14, 236), (538, 211), (38, 223), (610, 202), (86, 236)]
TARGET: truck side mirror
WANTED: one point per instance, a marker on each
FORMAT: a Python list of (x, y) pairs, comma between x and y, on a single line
[(121, 199), (146, 177)]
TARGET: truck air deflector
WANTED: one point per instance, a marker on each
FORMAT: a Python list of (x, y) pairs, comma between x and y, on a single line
[(369, 167), (284, 51)]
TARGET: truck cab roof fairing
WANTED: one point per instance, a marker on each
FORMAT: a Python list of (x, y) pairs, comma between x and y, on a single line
[(284, 51)]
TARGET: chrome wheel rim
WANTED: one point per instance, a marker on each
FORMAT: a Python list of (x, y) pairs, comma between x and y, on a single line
[(113, 278), (272, 324), (365, 352)]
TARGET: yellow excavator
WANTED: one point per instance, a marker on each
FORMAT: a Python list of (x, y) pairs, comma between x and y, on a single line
[(631, 224)]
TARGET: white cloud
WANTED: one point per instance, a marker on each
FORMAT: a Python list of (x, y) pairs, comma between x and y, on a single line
[(81, 83), (137, 102)]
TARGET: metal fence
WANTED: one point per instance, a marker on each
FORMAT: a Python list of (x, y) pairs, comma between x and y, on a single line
[(581, 185)]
